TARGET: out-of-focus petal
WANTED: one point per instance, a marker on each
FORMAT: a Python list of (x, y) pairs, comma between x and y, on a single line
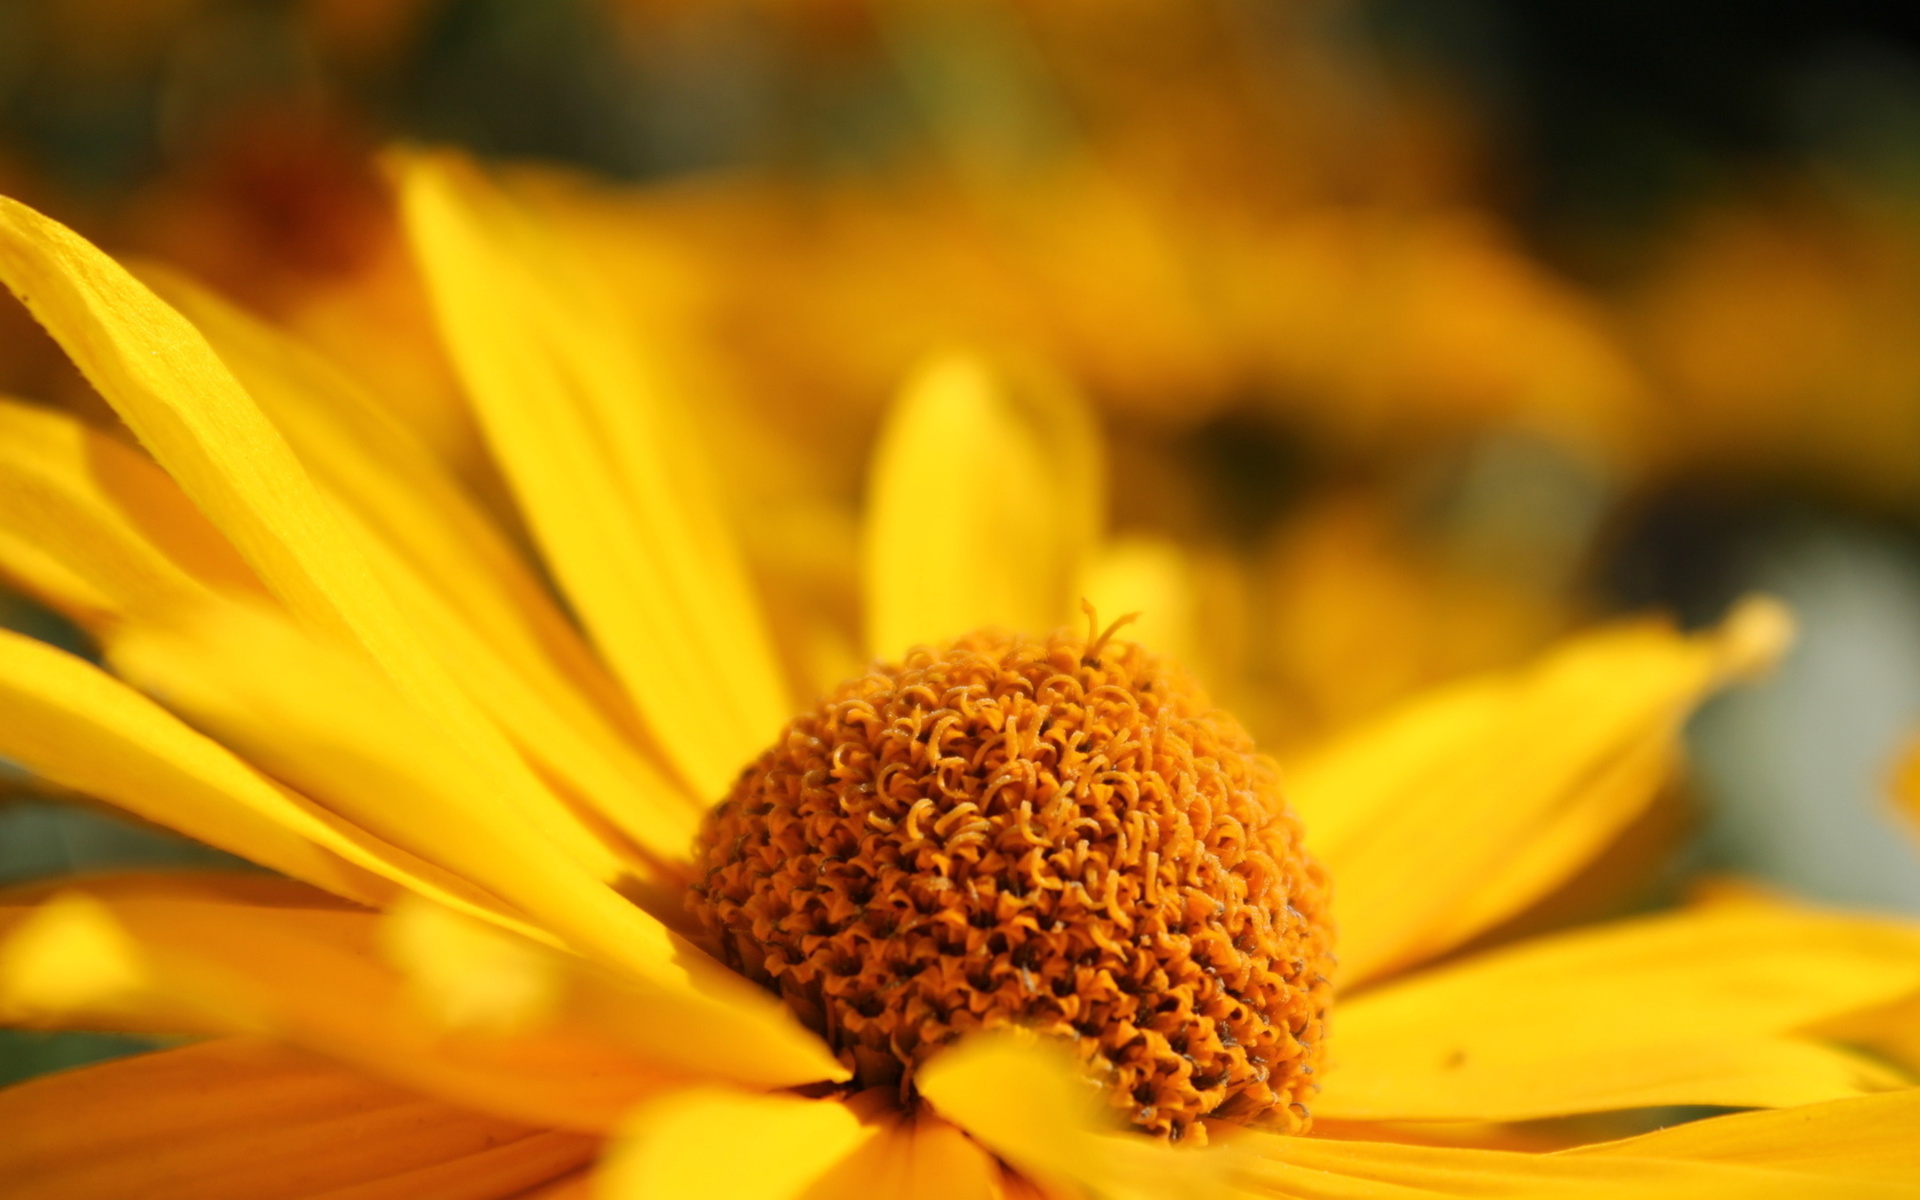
[(612, 483), (1151, 577), (711, 1142), (577, 1186), (1703, 1007), (161, 956), (1465, 806), (923, 1158), (979, 512), (1890, 1032), (1865, 1140), (1026, 1101), (1906, 787), (304, 976), (238, 1119), (1324, 1169), (474, 976)]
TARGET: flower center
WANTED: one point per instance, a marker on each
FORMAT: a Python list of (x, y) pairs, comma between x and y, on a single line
[(1059, 834)]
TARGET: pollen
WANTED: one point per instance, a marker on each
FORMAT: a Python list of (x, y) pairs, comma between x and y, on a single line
[(1054, 833)]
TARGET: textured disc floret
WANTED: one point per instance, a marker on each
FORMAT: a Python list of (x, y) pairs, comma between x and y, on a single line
[(1057, 833)]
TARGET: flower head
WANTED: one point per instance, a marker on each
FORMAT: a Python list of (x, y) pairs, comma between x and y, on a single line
[(491, 812), (1059, 835)]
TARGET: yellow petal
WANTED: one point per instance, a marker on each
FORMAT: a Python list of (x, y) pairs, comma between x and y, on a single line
[(469, 974), (121, 529), (495, 1173), (730, 1032), (312, 977), (1470, 803), (709, 1142), (148, 362), (1763, 1072), (69, 954), (1869, 1139), (187, 409), (456, 578), (331, 726), (577, 1186), (107, 518), (1890, 1032), (922, 1158), (315, 719), (1045, 1137), (1026, 1101), (240, 1120), (1324, 1169), (574, 747), (67, 721), (979, 512), (1695, 1008), (603, 467), (35, 570)]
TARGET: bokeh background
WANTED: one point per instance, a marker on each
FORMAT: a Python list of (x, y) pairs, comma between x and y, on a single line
[(1423, 331)]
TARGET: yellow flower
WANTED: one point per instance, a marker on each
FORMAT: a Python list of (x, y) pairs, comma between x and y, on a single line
[(477, 969)]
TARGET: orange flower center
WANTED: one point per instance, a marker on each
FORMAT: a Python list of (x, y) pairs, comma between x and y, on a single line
[(1059, 834)]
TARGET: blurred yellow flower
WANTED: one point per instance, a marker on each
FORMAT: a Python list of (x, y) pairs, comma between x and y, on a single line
[(1780, 332), (477, 973)]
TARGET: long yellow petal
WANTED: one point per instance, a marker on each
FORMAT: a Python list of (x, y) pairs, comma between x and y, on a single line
[(158, 372), (476, 976), (1865, 1140), (352, 744), (32, 568), (188, 410), (1031, 1110), (463, 587), (1459, 810), (107, 517), (574, 747), (99, 950), (1776, 1072), (1703, 1007), (1890, 1032), (238, 1119), (1324, 1169), (710, 1142), (333, 728), (979, 513), (312, 977), (604, 469), (68, 721)]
